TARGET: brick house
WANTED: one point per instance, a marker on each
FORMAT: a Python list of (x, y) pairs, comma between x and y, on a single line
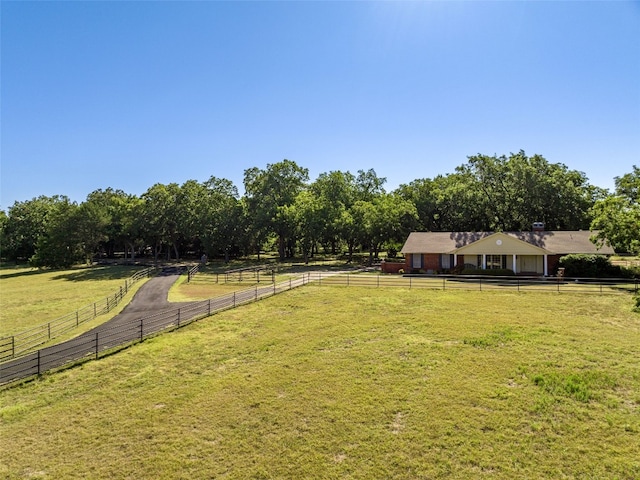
[(526, 253)]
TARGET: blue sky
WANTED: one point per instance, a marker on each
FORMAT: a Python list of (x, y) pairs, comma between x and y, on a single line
[(129, 94)]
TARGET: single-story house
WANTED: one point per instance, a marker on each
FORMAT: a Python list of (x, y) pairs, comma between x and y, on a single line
[(526, 253)]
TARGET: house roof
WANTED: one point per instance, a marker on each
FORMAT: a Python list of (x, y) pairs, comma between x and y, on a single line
[(552, 242)]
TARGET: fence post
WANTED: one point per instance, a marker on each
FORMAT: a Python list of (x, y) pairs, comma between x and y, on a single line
[(97, 345), (77, 319), (481, 284), (444, 284), (378, 281), (141, 330), (13, 345), (49, 329), (256, 292), (38, 361), (178, 317), (95, 311), (410, 278), (234, 299), (209, 308)]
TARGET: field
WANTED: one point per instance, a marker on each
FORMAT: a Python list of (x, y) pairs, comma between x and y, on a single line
[(349, 382), (31, 297)]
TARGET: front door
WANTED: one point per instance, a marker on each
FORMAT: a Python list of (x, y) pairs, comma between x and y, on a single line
[(529, 264)]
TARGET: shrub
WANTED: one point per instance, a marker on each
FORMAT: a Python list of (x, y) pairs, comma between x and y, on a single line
[(501, 272), (582, 265)]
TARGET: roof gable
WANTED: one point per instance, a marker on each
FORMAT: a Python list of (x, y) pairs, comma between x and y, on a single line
[(500, 244)]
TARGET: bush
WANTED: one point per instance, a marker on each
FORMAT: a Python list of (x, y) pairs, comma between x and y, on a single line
[(592, 266), (392, 252), (501, 272)]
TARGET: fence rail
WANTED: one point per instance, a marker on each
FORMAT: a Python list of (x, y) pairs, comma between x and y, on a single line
[(91, 344), (471, 282), (20, 343), (192, 271)]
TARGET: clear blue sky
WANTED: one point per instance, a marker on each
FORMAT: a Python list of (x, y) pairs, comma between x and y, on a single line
[(129, 94)]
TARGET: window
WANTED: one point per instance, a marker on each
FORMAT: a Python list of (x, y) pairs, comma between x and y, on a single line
[(496, 262)]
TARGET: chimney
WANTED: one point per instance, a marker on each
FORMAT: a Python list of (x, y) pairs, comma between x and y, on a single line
[(538, 226)]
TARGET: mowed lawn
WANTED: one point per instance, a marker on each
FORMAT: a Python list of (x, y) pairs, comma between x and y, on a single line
[(349, 382), (31, 297)]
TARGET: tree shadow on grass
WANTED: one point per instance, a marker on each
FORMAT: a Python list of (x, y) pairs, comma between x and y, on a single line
[(90, 273), (119, 272), (26, 273)]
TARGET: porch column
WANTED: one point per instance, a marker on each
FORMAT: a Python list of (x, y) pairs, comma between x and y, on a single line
[(544, 265), (515, 268), (455, 260), (484, 261)]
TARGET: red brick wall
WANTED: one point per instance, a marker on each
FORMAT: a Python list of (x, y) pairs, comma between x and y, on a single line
[(392, 267), (431, 261), (552, 264)]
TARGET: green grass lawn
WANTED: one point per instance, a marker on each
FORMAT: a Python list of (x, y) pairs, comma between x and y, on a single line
[(31, 297), (346, 382)]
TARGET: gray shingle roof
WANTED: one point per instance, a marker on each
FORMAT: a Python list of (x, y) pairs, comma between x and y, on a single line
[(554, 242)]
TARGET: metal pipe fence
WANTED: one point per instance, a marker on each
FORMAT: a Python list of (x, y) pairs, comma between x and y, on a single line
[(97, 341), (20, 343), (91, 344), (472, 282)]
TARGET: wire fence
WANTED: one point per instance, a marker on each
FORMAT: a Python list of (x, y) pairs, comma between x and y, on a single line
[(93, 343), (99, 340), (18, 344), (472, 282)]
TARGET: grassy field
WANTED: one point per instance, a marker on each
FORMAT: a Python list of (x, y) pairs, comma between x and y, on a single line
[(31, 297), (347, 382)]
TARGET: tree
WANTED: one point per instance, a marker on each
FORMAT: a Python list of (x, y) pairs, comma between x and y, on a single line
[(617, 217), (423, 194), (269, 192), (159, 218), (368, 185), (117, 207), (386, 219), (3, 229), (512, 193), (88, 228), (59, 245), (309, 216), (335, 193), (26, 223), (220, 216)]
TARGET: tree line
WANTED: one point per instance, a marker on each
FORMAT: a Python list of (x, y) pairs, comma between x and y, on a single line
[(338, 212)]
